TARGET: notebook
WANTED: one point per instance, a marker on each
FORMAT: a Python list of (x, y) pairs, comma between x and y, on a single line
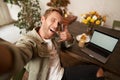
[(101, 46)]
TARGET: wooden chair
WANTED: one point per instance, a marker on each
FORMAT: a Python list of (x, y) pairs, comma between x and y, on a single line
[(116, 25)]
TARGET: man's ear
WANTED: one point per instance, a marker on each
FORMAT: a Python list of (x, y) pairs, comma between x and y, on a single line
[(42, 19)]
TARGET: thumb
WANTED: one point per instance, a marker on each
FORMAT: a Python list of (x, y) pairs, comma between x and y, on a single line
[(60, 40)]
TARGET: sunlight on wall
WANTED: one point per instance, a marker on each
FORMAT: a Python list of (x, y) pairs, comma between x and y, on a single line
[(110, 8), (13, 9), (10, 33)]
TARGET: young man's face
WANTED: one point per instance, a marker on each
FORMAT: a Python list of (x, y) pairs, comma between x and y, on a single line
[(50, 25)]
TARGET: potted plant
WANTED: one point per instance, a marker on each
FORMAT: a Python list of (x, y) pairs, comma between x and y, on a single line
[(60, 4), (29, 14), (12, 1)]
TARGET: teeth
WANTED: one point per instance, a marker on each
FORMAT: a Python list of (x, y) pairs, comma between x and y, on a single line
[(52, 30)]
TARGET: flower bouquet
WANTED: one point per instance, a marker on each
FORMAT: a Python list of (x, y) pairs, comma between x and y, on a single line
[(93, 19)]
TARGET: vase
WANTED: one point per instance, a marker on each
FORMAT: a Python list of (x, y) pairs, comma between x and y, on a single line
[(89, 31)]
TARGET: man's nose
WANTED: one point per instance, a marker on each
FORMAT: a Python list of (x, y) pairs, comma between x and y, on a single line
[(55, 24)]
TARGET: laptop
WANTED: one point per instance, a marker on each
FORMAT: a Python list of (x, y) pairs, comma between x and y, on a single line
[(100, 46)]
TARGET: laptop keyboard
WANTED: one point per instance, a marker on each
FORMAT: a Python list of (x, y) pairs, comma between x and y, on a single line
[(97, 50)]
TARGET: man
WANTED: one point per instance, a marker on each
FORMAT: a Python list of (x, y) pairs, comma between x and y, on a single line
[(38, 51)]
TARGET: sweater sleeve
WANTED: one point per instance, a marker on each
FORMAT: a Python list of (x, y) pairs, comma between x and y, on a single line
[(21, 54)]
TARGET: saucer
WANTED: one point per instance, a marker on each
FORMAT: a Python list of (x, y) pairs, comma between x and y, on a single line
[(78, 37)]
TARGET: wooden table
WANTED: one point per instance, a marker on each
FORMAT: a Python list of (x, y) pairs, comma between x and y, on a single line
[(77, 56)]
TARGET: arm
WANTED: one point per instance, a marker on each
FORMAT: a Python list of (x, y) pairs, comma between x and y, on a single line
[(6, 59), (12, 57), (66, 38), (65, 35)]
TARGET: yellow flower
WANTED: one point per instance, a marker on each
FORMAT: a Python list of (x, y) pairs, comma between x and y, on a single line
[(92, 12), (88, 18), (104, 18), (97, 22), (85, 21), (93, 18)]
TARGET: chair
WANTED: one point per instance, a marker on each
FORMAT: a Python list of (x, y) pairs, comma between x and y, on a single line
[(116, 25)]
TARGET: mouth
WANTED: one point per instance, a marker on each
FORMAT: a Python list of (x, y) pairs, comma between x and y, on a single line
[(52, 30)]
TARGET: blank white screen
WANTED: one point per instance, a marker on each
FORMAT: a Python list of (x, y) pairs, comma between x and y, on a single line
[(105, 41)]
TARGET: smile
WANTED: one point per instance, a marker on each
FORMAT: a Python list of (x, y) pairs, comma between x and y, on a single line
[(52, 30)]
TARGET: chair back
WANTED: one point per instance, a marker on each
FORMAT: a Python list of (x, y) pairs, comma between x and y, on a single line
[(116, 25)]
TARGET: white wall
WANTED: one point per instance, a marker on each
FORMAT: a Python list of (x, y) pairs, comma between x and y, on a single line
[(110, 8), (10, 33), (13, 10)]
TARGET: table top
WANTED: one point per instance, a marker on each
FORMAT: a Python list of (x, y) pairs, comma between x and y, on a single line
[(112, 64)]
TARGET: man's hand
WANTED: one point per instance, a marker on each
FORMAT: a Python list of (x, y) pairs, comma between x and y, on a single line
[(69, 19), (65, 35)]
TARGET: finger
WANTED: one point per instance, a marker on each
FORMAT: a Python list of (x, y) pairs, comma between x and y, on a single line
[(60, 40)]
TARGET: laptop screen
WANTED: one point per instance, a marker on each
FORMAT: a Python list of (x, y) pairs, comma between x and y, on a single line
[(105, 41)]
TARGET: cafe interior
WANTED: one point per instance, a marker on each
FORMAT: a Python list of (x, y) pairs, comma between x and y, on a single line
[(91, 22)]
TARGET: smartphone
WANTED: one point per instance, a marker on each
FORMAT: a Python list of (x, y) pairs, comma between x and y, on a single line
[(61, 27)]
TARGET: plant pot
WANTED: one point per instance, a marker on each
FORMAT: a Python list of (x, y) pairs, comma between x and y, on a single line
[(89, 31)]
